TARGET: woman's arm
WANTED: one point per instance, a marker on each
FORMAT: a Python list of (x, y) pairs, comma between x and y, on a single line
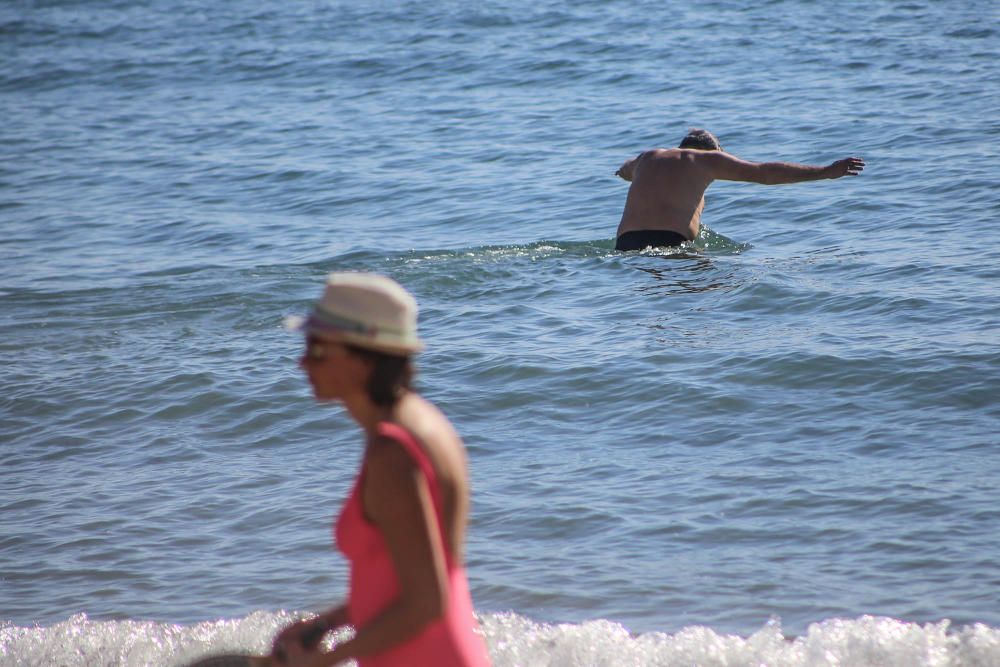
[(398, 500)]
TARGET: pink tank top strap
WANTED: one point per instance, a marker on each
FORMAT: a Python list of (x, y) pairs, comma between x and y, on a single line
[(409, 442)]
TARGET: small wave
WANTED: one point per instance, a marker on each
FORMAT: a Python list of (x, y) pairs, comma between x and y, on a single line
[(373, 259), (517, 640), (972, 33)]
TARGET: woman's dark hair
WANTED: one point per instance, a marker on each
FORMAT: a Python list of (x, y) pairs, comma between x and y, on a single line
[(392, 375)]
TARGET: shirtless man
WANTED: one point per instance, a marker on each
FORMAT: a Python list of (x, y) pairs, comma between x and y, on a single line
[(666, 197)]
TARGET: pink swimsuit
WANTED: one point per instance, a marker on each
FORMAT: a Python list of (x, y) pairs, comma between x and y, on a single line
[(450, 641)]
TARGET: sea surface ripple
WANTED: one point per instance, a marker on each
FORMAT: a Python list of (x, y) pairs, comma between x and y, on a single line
[(775, 443)]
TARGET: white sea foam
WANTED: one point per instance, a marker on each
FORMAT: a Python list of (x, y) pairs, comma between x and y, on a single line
[(516, 641), (795, 418)]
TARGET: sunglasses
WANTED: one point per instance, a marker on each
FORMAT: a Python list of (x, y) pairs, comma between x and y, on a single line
[(316, 350)]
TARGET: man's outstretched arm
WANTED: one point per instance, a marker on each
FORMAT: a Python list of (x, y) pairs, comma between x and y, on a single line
[(731, 168)]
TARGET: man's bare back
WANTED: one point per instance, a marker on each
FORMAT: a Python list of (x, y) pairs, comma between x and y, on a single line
[(668, 184)]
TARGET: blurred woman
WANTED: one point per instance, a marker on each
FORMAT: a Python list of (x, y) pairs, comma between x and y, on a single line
[(403, 526)]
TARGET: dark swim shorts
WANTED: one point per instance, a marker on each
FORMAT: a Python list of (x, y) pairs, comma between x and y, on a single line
[(643, 238)]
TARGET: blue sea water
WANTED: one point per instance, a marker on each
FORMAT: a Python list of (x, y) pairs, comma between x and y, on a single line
[(776, 447)]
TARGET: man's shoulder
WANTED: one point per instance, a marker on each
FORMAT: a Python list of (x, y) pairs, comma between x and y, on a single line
[(658, 155), (662, 152)]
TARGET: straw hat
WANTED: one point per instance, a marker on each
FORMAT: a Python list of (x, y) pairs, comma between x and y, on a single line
[(365, 309)]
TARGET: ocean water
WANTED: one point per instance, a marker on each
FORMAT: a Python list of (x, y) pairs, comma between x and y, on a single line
[(776, 447)]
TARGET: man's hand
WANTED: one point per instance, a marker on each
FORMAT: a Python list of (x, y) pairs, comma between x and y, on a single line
[(849, 166)]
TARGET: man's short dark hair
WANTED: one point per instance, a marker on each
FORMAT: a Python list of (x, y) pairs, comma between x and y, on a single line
[(700, 139)]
